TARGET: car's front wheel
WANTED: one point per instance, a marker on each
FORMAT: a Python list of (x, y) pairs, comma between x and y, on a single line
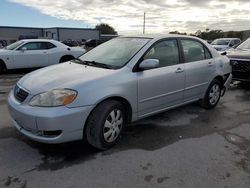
[(105, 123), (212, 95)]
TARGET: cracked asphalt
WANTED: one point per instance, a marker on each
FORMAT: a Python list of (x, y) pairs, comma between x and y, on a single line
[(187, 147)]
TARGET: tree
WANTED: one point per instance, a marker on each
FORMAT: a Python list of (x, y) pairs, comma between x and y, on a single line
[(209, 34), (177, 32), (105, 29)]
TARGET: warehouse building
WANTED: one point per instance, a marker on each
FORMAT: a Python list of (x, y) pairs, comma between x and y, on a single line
[(11, 34)]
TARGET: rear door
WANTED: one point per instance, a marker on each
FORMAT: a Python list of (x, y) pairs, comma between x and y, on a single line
[(161, 87), (199, 68), (34, 55)]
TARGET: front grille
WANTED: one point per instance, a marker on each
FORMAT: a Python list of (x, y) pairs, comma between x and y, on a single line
[(20, 94), (240, 65)]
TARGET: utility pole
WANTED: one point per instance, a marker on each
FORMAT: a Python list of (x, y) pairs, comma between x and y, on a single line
[(144, 21)]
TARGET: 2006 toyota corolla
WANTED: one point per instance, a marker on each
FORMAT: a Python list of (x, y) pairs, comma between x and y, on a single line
[(120, 81)]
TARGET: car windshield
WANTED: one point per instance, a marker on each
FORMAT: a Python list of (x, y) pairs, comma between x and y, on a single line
[(245, 45), (115, 53), (220, 42), (14, 45)]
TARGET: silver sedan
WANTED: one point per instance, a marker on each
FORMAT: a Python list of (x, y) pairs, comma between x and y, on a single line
[(118, 82)]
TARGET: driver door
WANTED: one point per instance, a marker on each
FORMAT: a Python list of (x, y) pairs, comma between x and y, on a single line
[(162, 87), (31, 55)]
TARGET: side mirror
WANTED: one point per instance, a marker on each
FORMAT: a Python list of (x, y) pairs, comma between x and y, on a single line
[(149, 64), (23, 49)]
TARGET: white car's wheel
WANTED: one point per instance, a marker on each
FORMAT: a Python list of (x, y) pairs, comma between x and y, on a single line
[(66, 58), (2, 67)]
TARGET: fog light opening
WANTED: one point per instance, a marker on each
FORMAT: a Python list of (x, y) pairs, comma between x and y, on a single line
[(52, 133)]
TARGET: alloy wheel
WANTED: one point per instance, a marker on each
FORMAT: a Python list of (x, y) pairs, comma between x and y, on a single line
[(214, 94), (113, 125)]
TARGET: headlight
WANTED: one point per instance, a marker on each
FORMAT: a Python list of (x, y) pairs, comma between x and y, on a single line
[(53, 98)]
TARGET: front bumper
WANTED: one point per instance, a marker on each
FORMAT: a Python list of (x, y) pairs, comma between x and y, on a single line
[(48, 124)]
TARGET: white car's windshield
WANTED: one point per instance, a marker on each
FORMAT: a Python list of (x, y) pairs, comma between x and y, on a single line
[(115, 53), (245, 45), (14, 45), (220, 42)]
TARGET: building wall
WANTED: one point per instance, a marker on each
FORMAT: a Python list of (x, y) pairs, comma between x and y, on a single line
[(50, 33), (12, 34), (78, 34)]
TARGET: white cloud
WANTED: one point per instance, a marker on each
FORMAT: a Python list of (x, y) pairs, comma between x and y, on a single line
[(126, 16)]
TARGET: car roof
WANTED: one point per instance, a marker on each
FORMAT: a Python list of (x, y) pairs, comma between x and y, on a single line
[(157, 36), (38, 40), (228, 39)]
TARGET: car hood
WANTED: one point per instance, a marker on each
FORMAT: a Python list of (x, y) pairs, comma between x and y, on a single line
[(238, 53), (66, 75)]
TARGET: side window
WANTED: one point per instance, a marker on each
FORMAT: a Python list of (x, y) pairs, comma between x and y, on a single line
[(166, 52), (34, 46), (194, 51), (236, 42), (232, 43), (50, 45), (207, 54)]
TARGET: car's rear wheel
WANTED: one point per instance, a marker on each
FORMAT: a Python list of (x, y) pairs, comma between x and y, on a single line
[(213, 94), (66, 58), (105, 123)]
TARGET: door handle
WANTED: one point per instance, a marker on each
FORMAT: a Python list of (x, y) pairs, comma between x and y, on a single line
[(179, 70), (210, 64), (45, 52)]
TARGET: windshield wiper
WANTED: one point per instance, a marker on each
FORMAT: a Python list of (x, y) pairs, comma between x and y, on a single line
[(93, 63), (77, 60), (97, 64)]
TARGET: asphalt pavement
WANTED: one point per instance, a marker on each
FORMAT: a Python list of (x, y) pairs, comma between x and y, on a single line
[(187, 147)]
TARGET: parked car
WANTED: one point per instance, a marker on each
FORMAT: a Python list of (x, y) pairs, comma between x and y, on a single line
[(72, 43), (224, 44), (3, 43), (240, 61), (33, 53), (91, 43), (118, 82)]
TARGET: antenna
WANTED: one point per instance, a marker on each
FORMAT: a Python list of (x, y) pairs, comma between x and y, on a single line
[(144, 21)]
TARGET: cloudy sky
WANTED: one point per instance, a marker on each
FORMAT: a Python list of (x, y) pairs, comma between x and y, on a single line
[(126, 16)]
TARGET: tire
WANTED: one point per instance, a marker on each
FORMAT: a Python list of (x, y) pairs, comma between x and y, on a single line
[(212, 96), (2, 67), (104, 125), (66, 58)]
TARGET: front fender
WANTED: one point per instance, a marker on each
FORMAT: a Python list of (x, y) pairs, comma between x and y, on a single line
[(8, 61), (92, 93)]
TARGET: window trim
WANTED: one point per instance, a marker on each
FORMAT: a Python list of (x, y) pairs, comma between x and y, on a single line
[(136, 66), (20, 48), (48, 46), (196, 40)]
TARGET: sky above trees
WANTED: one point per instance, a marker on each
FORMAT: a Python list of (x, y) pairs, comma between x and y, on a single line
[(162, 16)]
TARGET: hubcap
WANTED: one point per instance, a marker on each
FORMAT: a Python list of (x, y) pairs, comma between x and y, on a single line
[(214, 94), (113, 126)]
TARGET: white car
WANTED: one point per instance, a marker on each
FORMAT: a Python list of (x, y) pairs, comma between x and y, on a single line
[(32, 53)]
